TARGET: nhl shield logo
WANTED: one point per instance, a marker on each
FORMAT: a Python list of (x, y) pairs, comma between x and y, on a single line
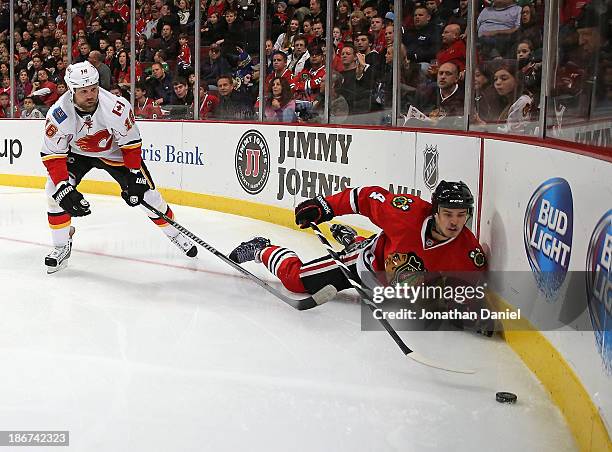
[(430, 167)]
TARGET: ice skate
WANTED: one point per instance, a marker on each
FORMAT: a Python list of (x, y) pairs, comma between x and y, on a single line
[(185, 244), (249, 251), (58, 257), (344, 235)]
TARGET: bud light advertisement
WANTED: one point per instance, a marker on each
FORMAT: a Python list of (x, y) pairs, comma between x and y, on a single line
[(548, 230), (599, 287)]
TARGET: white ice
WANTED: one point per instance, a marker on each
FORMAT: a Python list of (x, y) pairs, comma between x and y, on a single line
[(133, 347)]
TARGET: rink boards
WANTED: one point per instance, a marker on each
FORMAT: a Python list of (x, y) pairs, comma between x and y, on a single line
[(529, 199)]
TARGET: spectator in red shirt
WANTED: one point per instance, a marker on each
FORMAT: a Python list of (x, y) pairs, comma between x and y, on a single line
[(122, 73), (216, 7), (78, 23), (377, 30), (140, 23), (279, 20), (45, 90), (208, 102), (110, 59), (145, 107), (122, 9), (5, 107), (183, 61), (307, 84), (279, 66), (453, 47), (279, 69), (307, 29)]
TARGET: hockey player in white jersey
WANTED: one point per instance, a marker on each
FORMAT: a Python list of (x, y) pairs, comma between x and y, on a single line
[(88, 127)]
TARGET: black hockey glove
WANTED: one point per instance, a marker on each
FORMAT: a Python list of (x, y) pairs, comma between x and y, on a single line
[(71, 200), (136, 188), (316, 210)]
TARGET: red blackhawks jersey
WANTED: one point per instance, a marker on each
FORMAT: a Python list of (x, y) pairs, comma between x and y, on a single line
[(403, 241), (148, 109), (307, 83), (207, 105), (109, 133)]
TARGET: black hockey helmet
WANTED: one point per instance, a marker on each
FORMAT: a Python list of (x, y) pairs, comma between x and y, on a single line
[(452, 195)]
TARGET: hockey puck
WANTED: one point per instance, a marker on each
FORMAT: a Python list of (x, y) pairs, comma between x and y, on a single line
[(505, 397)]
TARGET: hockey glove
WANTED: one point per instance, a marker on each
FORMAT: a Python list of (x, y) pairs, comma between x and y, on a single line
[(71, 200), (315, 210), (136, 188)]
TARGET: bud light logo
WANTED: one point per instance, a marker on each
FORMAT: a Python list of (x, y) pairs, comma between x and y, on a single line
[(549, 222), (599, 287)]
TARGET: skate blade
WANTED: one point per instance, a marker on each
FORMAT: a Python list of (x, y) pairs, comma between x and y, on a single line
[(51, 270)]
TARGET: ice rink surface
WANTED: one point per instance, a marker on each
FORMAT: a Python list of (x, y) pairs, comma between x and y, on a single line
[(134, 347)]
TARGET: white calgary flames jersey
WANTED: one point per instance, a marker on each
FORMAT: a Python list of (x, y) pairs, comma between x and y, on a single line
[(109, 133)]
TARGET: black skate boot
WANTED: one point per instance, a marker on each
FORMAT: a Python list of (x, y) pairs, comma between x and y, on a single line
[(344, 235), (58, 257), (249, 251)]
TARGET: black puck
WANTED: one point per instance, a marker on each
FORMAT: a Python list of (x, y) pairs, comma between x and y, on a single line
[(505, 397)]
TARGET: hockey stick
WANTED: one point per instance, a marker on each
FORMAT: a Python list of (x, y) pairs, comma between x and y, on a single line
[(366, 295), (322, 296)]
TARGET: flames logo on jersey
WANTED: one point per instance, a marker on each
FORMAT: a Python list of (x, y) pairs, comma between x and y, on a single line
[(599, 287), (98, 142), (401, 268)]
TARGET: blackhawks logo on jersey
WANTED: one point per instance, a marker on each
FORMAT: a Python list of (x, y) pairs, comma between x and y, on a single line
[(401, 202), (401, 268)]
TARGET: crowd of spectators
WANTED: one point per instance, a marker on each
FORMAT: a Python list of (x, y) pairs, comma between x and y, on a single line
[(505, 88)]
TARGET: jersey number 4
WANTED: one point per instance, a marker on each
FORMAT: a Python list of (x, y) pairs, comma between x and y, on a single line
[(377, 196)]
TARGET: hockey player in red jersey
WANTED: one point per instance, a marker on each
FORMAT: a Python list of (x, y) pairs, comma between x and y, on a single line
[(88, 127), (416, 236)]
